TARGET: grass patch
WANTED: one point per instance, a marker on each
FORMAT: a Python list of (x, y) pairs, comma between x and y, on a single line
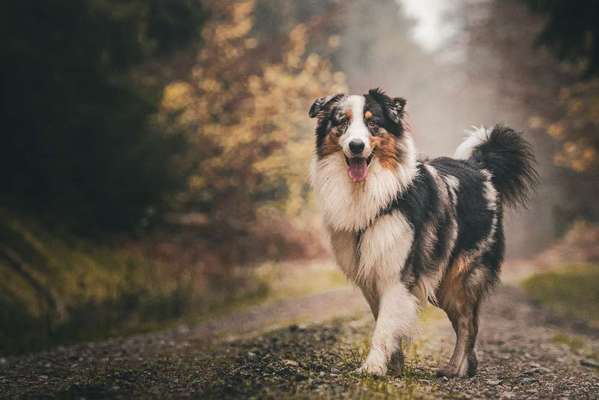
[(571, 292), (573, 343), (297, 279), (577, 345), (57, 289), (431, 313)]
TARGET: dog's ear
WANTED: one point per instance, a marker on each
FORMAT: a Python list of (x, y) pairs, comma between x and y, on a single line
[(393, 107), (397, 109), (321, 103)]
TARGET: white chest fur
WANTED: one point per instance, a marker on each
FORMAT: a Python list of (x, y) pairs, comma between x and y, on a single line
[(346, 205), (379, 254), (375, 259)]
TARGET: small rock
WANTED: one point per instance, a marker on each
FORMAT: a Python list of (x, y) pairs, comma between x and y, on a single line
[(493, 382), (534, 365), (587, 362), (291, 363), (300, 377), (250, 354), (528, 381)]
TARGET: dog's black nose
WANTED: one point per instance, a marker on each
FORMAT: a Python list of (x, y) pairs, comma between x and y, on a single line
[(356, 146)]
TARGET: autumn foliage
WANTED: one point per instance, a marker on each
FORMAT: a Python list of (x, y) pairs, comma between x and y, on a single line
[(244, 110)]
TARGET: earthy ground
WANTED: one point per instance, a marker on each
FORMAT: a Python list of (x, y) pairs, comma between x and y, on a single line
[(309, 348)]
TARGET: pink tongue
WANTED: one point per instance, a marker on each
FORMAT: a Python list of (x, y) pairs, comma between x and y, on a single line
[(357, 169)]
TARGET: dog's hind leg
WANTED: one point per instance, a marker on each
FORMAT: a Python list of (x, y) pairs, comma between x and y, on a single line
[(461, 298), (464, 319), (398, 310)]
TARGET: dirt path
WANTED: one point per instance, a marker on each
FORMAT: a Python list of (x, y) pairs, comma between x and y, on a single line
[(520, 356)]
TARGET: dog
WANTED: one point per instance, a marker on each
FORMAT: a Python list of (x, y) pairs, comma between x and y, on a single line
[(409, 231)]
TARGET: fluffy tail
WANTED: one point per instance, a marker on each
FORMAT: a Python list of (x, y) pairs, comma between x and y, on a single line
[(509, 158)]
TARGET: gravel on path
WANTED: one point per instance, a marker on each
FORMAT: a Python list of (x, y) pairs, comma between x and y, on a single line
[(311, 355)]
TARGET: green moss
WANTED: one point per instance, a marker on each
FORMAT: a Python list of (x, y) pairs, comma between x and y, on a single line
[(571, 292)]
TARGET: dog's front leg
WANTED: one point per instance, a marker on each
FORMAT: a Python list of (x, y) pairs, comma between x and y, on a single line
[(398, 312)]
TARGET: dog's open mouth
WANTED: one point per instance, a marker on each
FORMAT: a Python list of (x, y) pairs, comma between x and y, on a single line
[(357, 167)]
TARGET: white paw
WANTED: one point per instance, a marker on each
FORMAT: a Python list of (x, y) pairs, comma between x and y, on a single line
[(371, 368)]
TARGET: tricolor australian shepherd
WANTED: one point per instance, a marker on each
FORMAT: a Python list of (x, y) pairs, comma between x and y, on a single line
[(407, 231)]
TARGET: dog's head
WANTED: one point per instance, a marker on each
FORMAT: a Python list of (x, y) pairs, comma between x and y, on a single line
[(362, 128)]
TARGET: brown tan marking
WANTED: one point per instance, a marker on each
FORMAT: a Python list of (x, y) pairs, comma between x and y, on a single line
[(385, 149), (457, 299), (367, 115), (451, 292), (330, 144)]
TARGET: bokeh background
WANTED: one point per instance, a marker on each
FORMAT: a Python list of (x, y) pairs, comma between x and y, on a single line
[(154, 155)]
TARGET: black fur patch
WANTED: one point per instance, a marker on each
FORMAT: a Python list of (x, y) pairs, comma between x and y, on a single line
[(388, 112), (424, 209), (473, 216), (511, 161)]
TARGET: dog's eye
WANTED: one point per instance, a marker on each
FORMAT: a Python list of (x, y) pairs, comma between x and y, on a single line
[(374, 128), (342, 127)]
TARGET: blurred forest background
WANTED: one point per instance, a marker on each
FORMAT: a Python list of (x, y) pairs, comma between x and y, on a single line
[(154, 151)]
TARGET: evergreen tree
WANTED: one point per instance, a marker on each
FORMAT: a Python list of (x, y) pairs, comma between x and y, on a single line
[(78, 143)]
